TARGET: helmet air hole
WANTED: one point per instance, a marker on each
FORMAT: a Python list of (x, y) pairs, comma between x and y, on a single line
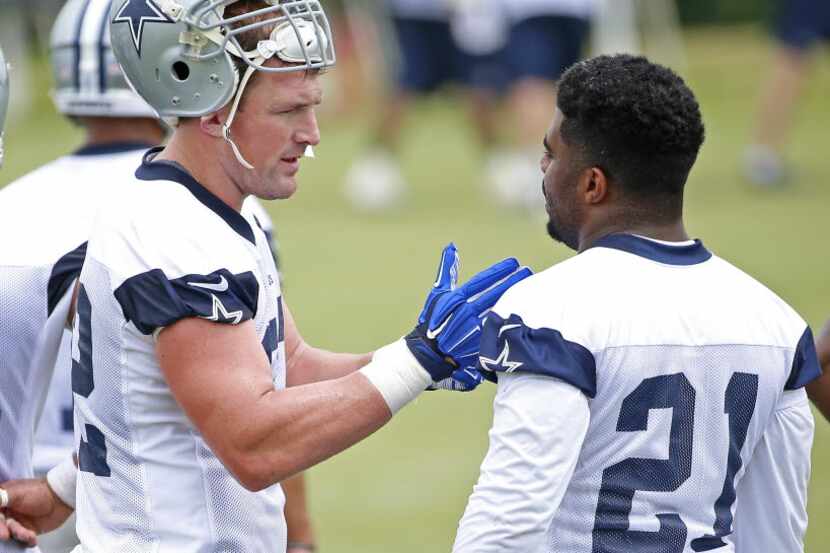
[(181, 71)]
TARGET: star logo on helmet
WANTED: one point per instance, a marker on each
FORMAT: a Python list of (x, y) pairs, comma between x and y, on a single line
[(136, 13)]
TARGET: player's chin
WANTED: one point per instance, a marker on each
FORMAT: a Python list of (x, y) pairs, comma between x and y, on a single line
[(281, 187)]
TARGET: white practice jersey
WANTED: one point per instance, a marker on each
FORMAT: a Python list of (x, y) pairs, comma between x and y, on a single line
[(165, 250), (523, 9), (40, 257), (85, 178), (650, 398)]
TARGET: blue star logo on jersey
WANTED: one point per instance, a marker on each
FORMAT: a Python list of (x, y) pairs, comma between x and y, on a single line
[(136, 13), (502, 362)]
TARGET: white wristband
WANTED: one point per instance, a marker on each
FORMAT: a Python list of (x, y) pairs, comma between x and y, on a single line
[(63, 480), (397, 375)]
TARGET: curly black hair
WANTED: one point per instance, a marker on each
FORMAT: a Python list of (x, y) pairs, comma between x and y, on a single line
[(635, 120)]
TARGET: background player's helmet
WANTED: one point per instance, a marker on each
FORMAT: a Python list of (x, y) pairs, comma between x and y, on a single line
[(88, 80), (177, 53), (4, 99)]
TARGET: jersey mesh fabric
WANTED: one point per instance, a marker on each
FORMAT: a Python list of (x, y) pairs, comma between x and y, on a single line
[(20, 325), (689, 358), (26, 264), (620, 371), (166, 491), (108, 409)]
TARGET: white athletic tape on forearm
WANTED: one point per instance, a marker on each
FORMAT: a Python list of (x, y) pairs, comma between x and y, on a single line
[(63, 479), (4, 498), (397, 375)]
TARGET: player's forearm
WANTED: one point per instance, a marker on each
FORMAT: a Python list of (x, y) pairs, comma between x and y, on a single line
[(288, 431), (307, 365), (297, 517)]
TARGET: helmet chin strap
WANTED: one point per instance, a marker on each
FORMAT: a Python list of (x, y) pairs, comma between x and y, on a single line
[(226, 128)]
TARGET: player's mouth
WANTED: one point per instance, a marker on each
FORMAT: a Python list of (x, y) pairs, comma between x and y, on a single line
[(292, 164)]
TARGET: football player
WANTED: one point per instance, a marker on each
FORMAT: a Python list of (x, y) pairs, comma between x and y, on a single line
[(545, 38), (182, 343), (119, 127), (439, 42), (650, 395)]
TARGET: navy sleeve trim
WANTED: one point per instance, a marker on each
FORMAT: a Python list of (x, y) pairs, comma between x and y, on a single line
[(64, 273), (508, 345), (151, 300), (806, 367)]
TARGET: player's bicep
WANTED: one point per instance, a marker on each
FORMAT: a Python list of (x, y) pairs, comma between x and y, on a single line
[(216, 372)]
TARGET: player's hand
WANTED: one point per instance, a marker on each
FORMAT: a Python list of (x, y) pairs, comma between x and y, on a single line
[(461, 380), (33, 508), (448, 334)]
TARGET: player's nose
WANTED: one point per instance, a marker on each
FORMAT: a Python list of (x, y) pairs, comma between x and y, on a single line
[(308, 132)]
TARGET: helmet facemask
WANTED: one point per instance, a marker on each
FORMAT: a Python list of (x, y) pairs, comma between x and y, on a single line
[(300, 36), (186, 57)]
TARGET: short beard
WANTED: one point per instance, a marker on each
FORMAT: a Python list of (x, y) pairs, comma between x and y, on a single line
[(562, 236)]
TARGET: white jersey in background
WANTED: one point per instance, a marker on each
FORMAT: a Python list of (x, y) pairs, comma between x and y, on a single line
[(650, 398), (523, 9), (165, 250), (40, 257), (71, 188)]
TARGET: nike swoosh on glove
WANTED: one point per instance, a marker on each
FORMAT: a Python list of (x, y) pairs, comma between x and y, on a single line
[(448, 334)]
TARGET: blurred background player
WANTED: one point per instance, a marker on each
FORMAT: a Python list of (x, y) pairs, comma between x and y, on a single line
[(430, 44), (119, 127), (799, 26), (546, 37)]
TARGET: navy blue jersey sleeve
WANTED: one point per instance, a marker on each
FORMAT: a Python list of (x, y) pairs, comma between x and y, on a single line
[(64, 273), (152, 301), (806, 367), (509, 345)]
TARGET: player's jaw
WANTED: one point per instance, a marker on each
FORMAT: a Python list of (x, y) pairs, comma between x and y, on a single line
[(279, 176), (559, 187)]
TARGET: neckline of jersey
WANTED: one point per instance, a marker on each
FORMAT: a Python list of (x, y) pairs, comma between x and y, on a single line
[(111, 148), (682, 253), (171, 171)]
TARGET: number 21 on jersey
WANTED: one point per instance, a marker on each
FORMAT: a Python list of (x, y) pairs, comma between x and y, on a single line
[(620, 481)]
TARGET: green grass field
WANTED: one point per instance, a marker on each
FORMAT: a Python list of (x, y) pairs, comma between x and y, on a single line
[(357, 282)]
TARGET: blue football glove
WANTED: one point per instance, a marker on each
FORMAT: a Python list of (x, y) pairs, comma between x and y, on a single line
[(461, 380), (446, 338)]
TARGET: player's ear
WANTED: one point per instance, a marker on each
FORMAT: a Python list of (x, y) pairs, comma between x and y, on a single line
[(594, 185), (212, 123)]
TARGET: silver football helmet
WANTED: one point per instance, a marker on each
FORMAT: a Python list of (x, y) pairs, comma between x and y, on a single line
[(88, 79), (4, 99), (177, 53)]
